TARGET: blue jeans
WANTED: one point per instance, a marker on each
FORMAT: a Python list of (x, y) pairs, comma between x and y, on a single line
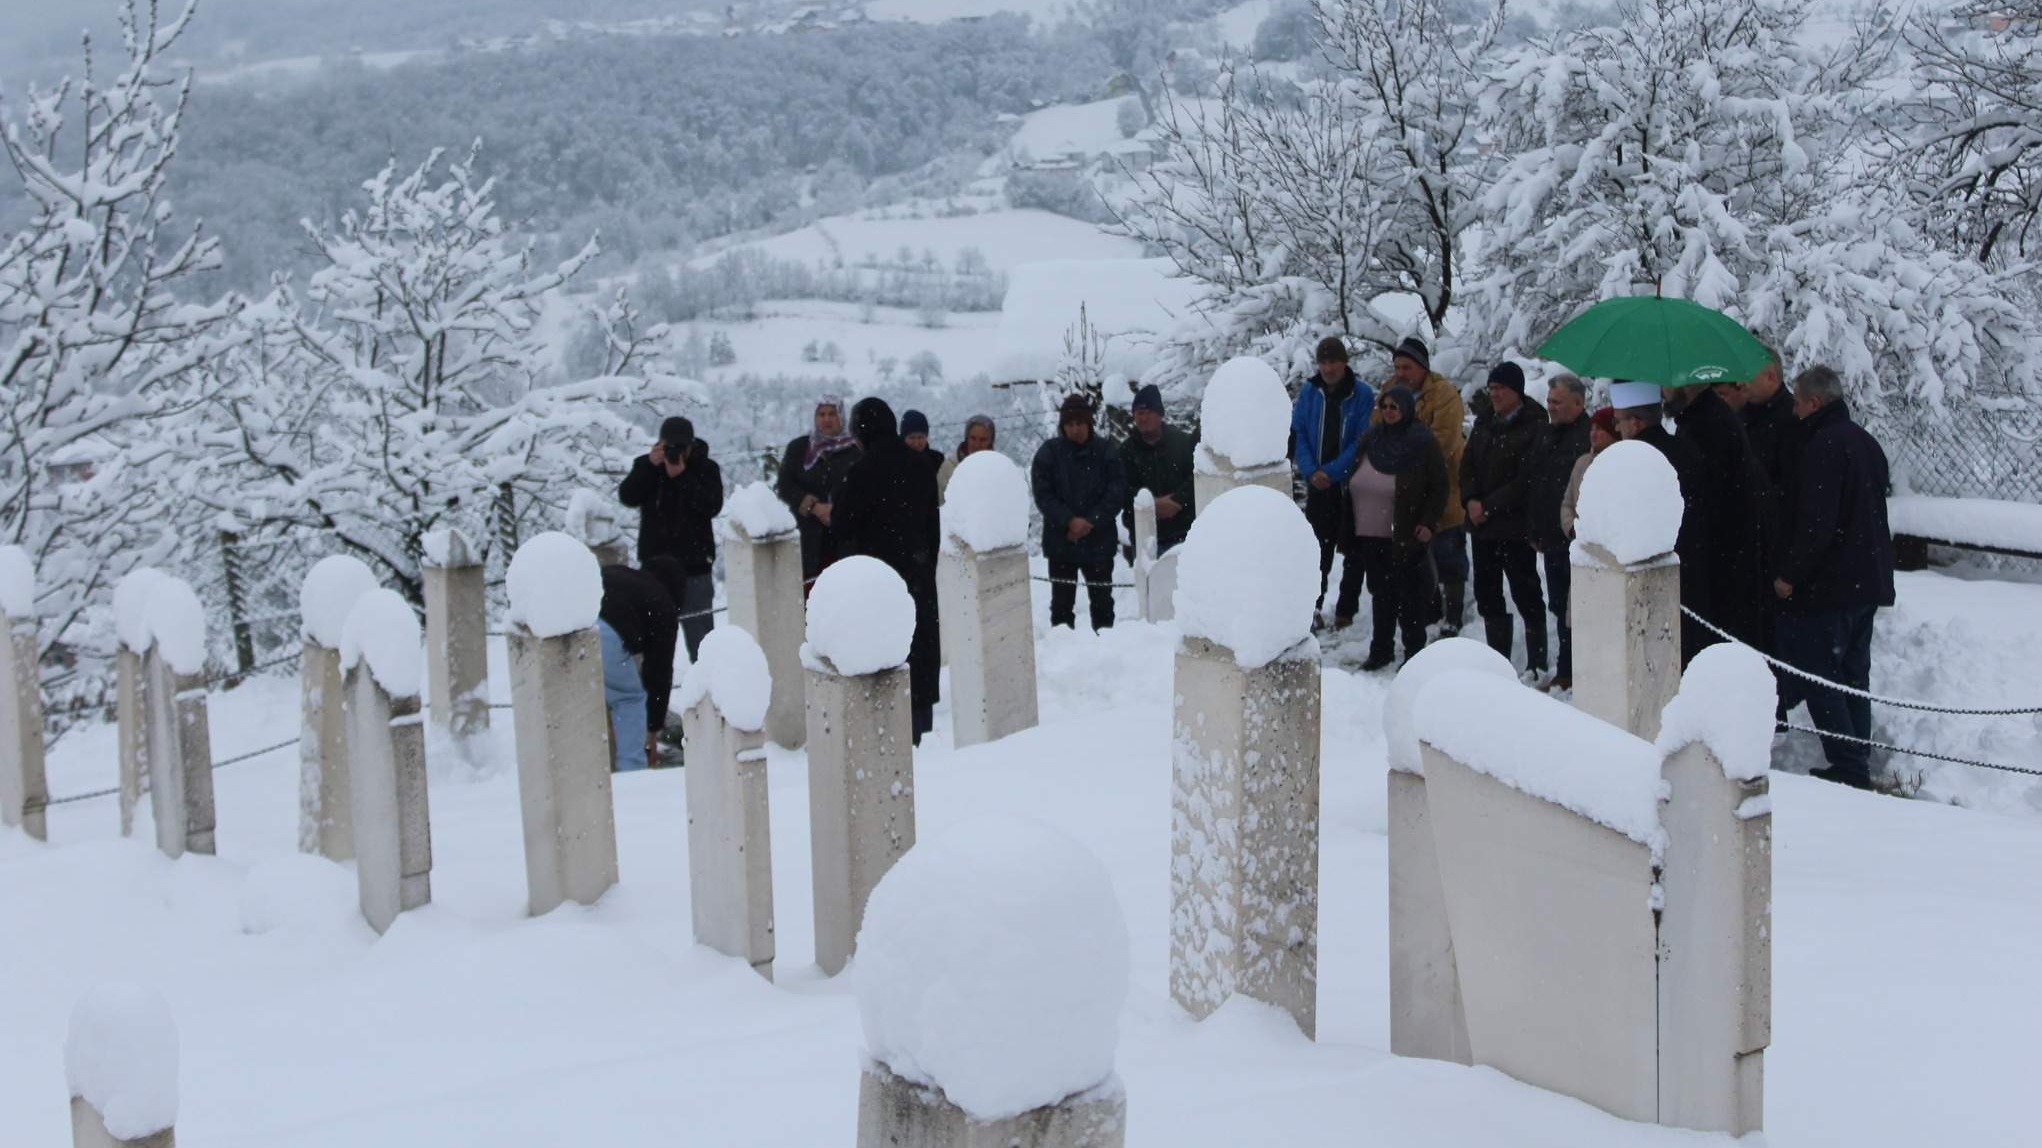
[(624, 694), (1559, 581), (1835, 645), (1450, 553)]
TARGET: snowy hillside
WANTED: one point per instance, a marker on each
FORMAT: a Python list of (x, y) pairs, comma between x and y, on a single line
[(1902, 986)]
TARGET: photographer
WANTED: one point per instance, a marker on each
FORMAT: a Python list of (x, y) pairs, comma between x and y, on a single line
[(677, 491)]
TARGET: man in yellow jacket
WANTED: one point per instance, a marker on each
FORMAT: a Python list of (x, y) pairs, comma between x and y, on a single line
[(1440, 408)]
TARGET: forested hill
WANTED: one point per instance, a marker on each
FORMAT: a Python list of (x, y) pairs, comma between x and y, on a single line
[(660, 141)]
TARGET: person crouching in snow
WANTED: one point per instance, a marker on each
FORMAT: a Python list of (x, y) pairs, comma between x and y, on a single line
[(640, 620)]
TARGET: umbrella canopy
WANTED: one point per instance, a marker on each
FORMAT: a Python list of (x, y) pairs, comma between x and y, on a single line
[(1672, 342)]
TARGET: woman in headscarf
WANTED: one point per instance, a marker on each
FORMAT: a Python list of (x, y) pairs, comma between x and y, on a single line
[(810, 470), (1396, 498), (886, 509)]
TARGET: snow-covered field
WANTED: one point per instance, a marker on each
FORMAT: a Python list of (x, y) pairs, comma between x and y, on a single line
[(1905, 1000), (774, 343), (1005, 237)]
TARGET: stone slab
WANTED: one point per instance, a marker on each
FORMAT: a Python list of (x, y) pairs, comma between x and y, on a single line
[(730, 841), (89, 1131), (861, 797), (1427, 1017), (766, 602), (1626, 622), (563, 767), (24, 786), (987, 610), (391, 814), (325, 807), (897, 1113)]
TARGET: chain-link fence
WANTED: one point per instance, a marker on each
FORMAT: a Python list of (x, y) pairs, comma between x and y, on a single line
[(1984, 448)]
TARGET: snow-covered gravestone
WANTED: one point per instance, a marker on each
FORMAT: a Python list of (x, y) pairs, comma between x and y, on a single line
[(1155, 576), (762, 565), (724, 701), (24, 789), (1715, 924), (1545, 822), (120, 1059), (380, 654), (1245, 432), (556, 662), (325, 812), (1244, 828), (1427, 1018), (131, 698), (160, 623), (593, 520), (456, 633), (991, 973), (1624, 604), (861, 760), (983, 589)]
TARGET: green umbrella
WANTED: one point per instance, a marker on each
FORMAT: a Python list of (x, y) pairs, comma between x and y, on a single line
[(1647, 339)]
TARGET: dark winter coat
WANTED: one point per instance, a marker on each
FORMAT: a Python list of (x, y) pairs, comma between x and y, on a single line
[(1554, 452), (1736, 514), (1496, 471), (676, 515), (639, 607), (1776, 437), (886, 509), (1073, 481), (1420, 499), (1841, 551), (1323, 435), (817, 548), (1164, 470), (1692, 544)]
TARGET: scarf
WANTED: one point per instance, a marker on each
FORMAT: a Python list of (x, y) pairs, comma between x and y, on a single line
[(1393, 448), (821, 446)]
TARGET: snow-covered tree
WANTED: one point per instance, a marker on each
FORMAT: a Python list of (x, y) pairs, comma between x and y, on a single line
[(408, 390), (1301, 204), (1971, 137), (97, 347), (1697, 149)]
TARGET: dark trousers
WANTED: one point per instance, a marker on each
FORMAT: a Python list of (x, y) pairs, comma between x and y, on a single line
[(1515, 560), (1399, 594), (1835, 645), (1559, 582), (1322, 510), (1063, 593), (697, 598)]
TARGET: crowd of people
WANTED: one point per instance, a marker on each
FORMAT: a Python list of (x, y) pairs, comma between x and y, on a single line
[(1783, 541)]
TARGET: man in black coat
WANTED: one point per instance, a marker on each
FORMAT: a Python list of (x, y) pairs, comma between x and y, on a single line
[(1562, 441), (1496, 489), (1641, 417), (1080, 487), (640, 619), (1837, 569), (677, 490), (1736, 507), (886, 509), (1159, 459)]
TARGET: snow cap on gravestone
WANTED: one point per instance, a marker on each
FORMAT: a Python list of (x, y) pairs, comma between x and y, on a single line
[(383, 632), (330, 590), (1400, 731), (1630, 503), (120, 1056), (1245, 415), (757, 513), (731, 672), (861, 619), (1248, 575), (986, 505), (556, 586)]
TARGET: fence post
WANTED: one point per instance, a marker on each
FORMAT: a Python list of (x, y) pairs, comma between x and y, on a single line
[(325, 809), (24, 788), (392, 835), (180, 756), (237, 603), (456, 633)]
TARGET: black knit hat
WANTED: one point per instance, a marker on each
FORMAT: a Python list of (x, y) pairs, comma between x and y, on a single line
[(1076, 408), (677, 432), (1415, 351), (1507, 374), (1149, 398), (1331, 349)]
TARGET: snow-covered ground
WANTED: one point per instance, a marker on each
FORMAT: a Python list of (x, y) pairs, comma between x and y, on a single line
[(775, 342), (1004, 237), (1905, 1000)]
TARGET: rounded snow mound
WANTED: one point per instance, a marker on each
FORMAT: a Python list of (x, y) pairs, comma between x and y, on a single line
[(1245, 416), (593, 519), (1400, 730), (298, 892), (153, 609), (556, 586), (993, 965), (1726, 702), (383, 631), (1630, 503), (17, 583), (861, 619), (1248, 575), (759, 514), (986, 505), (730, 670), (330, 590), (121, 1057)]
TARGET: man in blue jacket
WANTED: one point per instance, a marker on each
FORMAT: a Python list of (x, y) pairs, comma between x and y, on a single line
[(1326, 422), (1836, 571)]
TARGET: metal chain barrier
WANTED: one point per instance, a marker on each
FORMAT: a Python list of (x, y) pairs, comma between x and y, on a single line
[(1077, 582), (1851, 691), (1921, 753), (235, 760)]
